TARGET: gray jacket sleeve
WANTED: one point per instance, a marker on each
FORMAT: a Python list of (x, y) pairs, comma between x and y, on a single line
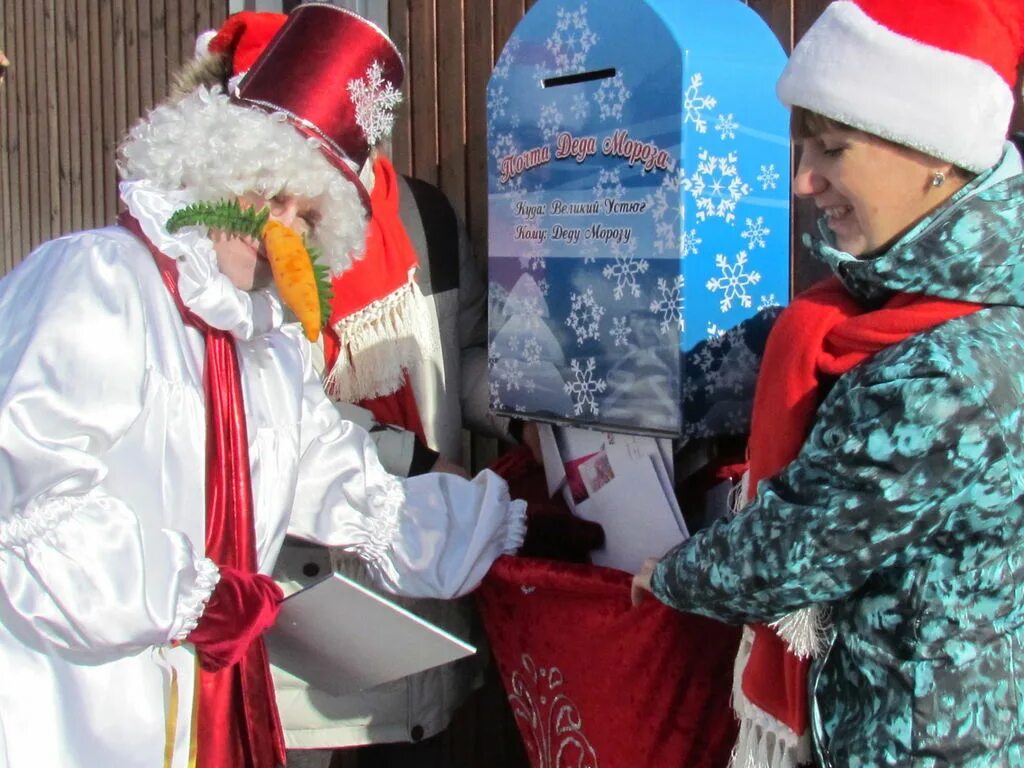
[(396, 447), (474, 393)]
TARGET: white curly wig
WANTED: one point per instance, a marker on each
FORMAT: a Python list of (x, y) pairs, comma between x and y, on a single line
[(216, 149)]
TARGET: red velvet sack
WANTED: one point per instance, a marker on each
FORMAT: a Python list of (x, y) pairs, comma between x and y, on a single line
[(594, 682), (591, 680)]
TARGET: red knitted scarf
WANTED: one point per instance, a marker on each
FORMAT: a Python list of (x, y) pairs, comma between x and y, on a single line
[(823, 334)]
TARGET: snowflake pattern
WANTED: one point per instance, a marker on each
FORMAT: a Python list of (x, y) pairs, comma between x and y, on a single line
[(516, 190), (584, 387), (756, 233), (666, 215), (734, 281), (504, 64), (550, 121), (496, 103), (534, 258), (531, 351), (572, 39), (710, 187), (496, 296), (609, 186), (532, 254), (524, 306), (584, 316), (503, 146), (768, 177), (716, 186), (580, 107), (611, 97), (713, 330), (620, 331), (625, 270), (694, 104), (508, 371), (688, 242), (726, 126), (717, 376), (669, 304), (375, 100), (767, 302)]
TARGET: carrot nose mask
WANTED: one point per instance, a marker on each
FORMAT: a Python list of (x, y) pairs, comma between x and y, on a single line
[(302, 282)]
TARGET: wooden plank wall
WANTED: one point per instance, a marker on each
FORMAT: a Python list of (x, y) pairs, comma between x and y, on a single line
[(82, 71)]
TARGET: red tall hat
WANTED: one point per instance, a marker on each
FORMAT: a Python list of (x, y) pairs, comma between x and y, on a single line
[(334, 75)]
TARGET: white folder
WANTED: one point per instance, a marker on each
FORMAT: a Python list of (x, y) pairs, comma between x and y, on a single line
[(341, 637)]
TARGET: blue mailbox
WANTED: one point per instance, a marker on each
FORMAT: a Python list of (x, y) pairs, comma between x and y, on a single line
[(638, 197)]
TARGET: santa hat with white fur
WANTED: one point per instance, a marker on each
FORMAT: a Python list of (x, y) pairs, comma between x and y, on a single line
[(937, 76)]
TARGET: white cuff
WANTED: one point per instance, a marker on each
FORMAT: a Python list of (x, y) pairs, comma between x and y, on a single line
[(194, 603), (516, 533)]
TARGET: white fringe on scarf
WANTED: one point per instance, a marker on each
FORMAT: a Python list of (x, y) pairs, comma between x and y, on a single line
[(806, 632), (764, 742), (380, 343)]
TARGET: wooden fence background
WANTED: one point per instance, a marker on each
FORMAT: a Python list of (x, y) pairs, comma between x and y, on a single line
[(81, 72), (84, 70)]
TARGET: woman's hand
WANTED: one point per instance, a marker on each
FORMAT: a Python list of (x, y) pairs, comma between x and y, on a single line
[(642, 581)]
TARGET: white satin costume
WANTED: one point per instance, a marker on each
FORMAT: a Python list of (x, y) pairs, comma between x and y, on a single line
[(102, 505)]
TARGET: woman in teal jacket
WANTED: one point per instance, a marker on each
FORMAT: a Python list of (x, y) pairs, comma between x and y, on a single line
[(903, 510)]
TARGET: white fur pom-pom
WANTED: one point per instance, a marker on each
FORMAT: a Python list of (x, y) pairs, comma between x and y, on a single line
[(203, 42)]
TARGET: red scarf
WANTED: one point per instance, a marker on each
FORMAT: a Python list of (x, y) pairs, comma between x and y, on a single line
[(237, 720), (823, 334), (361, 296), (389, 257)]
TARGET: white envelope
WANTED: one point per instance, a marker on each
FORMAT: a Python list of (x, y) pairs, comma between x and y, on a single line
[(629, 493), (554, 469), (341, 637)]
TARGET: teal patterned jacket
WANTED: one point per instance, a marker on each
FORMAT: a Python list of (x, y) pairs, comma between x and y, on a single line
[(904, 511)]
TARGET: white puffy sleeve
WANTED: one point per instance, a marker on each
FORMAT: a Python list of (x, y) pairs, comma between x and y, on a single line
[(79, 569), (433, 535)]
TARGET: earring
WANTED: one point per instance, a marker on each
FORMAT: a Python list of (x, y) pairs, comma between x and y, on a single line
[(938, 179)]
